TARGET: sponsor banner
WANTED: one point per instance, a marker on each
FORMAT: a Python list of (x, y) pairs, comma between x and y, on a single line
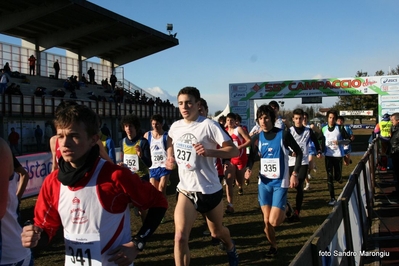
[(239, 103), (386, 105), (362, 126), (239, 110), (390, 98), (381, 85), (391, 89), (38, 167), (346, 113), (390, 110)]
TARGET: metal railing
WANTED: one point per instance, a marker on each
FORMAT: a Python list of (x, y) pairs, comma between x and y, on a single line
[(341, 239)]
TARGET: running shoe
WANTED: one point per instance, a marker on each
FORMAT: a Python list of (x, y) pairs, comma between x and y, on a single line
[(307, 187), (289, 211), (229, 209), (339, 180), (332, 202), (240, 191), (271, 253), (215, 241), (233, 256), (246, 182), (309, 176), (294, 218)]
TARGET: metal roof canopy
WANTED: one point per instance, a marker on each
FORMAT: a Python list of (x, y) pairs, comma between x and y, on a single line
[(83, 28)]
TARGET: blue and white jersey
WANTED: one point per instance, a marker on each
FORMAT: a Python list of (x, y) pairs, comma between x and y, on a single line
[(274, 169), (303, 142)]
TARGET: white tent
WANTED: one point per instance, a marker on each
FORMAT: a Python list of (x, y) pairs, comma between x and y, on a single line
[(224, 113)]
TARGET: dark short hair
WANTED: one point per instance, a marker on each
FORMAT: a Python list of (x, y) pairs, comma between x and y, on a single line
[(231, 116), (274, 104), (76, 114), (298, 111), (193, 91), (131, 120), (158, 118), (238, 118), (63, 105), (332, 112), (265, 109), (341, 117), (204, 103)]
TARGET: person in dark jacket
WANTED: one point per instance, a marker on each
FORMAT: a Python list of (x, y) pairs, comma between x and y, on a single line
[(395, 150)]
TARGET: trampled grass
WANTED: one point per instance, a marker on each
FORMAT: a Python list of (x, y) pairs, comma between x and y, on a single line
[(246, 227)]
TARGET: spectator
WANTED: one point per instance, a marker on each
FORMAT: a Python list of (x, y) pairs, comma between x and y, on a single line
[(4, 79), (13, 138), (13, 89), (40, 91), (92, 75), (113, 81), (84, 79), (383, 129), (48, 133), (56, 68), (105, 130), (394, 154), (39, 136), (32, 64), (7, 68)]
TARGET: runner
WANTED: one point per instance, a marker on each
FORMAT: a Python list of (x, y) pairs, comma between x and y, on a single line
[(303, 136), (135, 149), (157, 139), (237, 167), (89, 197), (274, 179), (192, 144), (334, 139), (347, 147)]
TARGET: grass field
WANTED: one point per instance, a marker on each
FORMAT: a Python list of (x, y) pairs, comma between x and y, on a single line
[(245, 225)]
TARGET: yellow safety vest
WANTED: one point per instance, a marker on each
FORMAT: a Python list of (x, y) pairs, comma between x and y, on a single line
[(385, 129)]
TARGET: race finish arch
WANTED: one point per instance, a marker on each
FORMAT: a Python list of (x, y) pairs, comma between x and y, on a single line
[(241, 94)]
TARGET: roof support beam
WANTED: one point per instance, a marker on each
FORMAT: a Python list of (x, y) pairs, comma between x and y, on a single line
[(108, 45), (59, 38), (13, 20)]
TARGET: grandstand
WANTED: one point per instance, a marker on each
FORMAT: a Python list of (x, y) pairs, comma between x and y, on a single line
[(82, 37)]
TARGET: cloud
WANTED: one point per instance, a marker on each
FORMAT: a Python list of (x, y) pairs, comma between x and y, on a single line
[(164, 95)]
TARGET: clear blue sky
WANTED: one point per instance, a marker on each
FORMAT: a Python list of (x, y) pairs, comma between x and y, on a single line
[(235, 41)]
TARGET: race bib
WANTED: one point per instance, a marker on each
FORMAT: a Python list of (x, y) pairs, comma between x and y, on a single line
[(132, 162), (185, 155), (158, 158), (331, 144), (82, 249), (270, 168)]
